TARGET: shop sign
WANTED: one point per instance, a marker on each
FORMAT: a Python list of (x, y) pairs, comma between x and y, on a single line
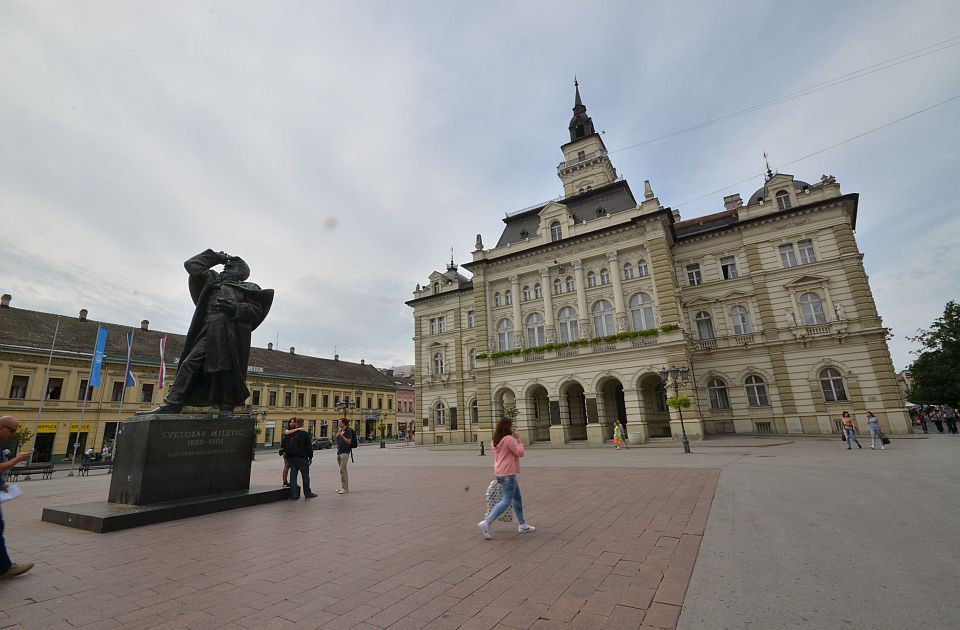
[(271, 424), (75, 427), (47, 427)]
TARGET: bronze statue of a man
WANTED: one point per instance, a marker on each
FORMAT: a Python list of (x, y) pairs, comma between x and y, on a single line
[(213, 364)]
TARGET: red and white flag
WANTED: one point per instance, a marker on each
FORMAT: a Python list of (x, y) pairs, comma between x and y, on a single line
[(163, 365)]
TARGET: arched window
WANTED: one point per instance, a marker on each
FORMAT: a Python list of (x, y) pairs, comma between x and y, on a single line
[(555, 233), (627, 271), (704, 325), (537, 291), (474, 412), (535, 335), (497, 300), (505, 335), (508, 298), (591, 279), (438, 363), (756, 391), (717, 390), (570, 286), (604, 276), (603, 319), (641, 311), (473, 359), (740, 320), (567, 328), (440, 415), (811, 309), (642, 269), (526, 294), (831, 382), (783, 199), (557, 286)]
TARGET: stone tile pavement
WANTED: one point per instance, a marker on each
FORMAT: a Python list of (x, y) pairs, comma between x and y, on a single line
[(615, 547)]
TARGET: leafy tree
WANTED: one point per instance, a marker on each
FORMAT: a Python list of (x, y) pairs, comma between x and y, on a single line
[(936, 372)]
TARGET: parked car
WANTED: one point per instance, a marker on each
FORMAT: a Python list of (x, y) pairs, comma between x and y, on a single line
[(322, 442)]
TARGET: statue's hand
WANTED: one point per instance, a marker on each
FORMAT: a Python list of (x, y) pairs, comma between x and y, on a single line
[(224, 305), (224, 256)]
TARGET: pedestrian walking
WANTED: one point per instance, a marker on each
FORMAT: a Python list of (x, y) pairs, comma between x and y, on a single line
[(299, 451), (507, 451), (617, 435), (346, 442), (937, 419), (950, 417), (850, 430), (923, 420), (875, 434), (8, 568)]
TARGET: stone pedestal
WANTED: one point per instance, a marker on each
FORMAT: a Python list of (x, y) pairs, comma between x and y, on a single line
[(179, 456), (174, 466), (597, 433), (637, 432), (559, 434)]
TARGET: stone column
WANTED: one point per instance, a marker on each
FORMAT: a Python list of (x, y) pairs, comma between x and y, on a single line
[(491, 325), (550, 328), (618, 304), (582, 314), (517, 324)]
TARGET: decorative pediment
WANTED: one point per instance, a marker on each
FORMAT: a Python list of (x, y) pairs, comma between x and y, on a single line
[(554, 210), (807, 280), (700, 301), (736, 296)]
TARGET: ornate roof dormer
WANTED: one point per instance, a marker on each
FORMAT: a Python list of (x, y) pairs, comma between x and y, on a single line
[(581, 125)]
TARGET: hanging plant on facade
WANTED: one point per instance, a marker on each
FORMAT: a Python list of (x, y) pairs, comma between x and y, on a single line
[(679, 402)]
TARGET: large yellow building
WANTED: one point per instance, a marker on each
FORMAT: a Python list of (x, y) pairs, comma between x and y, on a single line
[(45, 362), (569, 319)]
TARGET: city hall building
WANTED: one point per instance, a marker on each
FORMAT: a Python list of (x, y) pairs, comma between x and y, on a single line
[(567, 322)]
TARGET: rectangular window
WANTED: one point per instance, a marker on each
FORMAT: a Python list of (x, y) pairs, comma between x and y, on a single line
[(300, 399), (787, 256), (693, 275), (441, 324), (313, 400), (287, 399), (728, 265), (146, 393), (54, 388), (369, 402), (272, 399), (807, 255), (84, 388), (117, 394), (255, 398), (433, 325), (357, 401), (471, 319), (336, 400), (18, 387), (326, 401), (389, 403), (379, 402)]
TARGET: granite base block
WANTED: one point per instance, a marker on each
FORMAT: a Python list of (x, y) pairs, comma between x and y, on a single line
[(102, 516)]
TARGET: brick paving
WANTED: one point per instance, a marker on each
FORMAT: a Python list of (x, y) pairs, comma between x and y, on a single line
[(614, 548)]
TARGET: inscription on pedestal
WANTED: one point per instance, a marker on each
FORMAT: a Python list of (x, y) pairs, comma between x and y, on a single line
[(177, 456)]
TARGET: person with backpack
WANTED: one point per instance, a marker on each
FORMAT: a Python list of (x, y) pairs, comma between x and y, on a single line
[(346, 442)]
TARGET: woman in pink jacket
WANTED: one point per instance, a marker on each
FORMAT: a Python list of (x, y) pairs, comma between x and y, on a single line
[(507, 451)]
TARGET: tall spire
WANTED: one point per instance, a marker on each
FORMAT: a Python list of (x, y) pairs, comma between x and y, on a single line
[(580, 125)]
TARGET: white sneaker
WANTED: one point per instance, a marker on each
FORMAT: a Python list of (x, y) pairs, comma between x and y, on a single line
[(526, 527), (484, 529), (873, 447)]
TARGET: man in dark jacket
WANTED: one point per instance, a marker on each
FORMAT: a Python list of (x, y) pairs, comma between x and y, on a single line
[(213, 364), (299, 452)]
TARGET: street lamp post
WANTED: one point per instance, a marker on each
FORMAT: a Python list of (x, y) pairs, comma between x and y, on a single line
[(677, 377), (383, 442), (344, 406)]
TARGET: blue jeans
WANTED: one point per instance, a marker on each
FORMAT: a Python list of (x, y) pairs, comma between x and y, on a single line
[(874, 433), (299, 465), (851, 436), (511, 494), (5, 561)]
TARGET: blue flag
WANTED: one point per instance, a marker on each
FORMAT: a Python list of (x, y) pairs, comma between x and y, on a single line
[(94, 380), (129, 381)]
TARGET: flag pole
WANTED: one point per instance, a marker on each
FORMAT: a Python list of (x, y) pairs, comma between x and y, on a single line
[(83, 407), (96, 363), (46, 382)]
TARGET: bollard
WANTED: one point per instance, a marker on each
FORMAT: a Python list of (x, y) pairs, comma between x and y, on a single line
[(481, 449)]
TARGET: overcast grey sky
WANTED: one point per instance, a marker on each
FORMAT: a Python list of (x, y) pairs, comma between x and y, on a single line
[(342, 148)]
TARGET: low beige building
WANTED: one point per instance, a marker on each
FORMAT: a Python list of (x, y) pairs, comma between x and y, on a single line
[(570, 318), (45, 362)]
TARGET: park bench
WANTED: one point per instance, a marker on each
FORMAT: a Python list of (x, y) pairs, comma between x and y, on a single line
[(45, 470), (86, 467)]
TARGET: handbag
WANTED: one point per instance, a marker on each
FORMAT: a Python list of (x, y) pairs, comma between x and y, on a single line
[(884, 439), (494, 495)]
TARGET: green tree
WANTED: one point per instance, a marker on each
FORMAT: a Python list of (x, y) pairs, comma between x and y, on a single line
[(936, 372)]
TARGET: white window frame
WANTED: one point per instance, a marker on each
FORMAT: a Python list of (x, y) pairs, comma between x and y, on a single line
[(788, 256), (627, 271), (570, 286), (641, 311), (642, 269), (728, 267), (497, 299), (811, 312), (508, 297), (832, 385), (808, 255), (535, 330), (740, 320), (694, 278), (783, 200), (756, 391), (440, 414), (557, 286), (438, 363), (556, 231), (604, 276), (591, 279), (505, 334), (526, 293), (603, 323), (471, 319), (567, 326), (717, 392), (704, 322)]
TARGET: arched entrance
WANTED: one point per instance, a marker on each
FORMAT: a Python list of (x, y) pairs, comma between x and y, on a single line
[(538, 412), (611, 405), (575, 404), (653, 399), (504, 404)]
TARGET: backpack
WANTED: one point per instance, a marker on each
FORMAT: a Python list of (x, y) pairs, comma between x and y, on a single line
[(353, 439)]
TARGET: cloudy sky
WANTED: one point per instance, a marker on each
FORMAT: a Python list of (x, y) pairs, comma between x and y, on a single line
[(342, 148)]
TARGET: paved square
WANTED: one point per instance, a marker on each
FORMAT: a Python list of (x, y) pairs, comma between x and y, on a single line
[(614, 548)]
